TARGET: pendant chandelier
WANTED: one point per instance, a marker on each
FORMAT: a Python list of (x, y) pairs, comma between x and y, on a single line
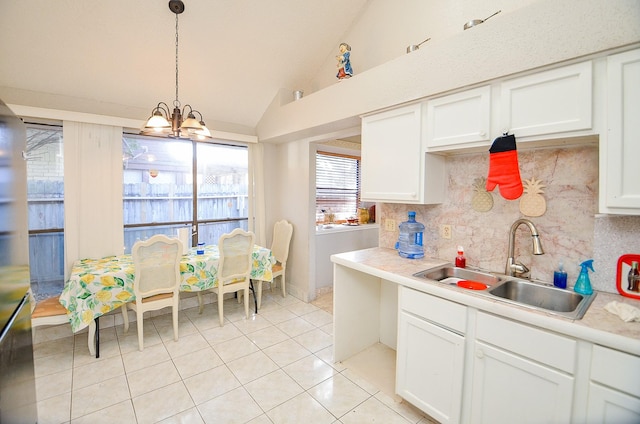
[(172, 124)]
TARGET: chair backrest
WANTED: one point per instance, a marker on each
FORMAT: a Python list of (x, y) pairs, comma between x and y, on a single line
[(236, 249), (282, 231), (157, 266)]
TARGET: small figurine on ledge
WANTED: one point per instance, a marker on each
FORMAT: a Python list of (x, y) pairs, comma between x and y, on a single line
[(344, 62)]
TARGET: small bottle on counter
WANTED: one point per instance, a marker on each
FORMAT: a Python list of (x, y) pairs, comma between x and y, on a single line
[(634, 277), (560, 277), (461, 261)]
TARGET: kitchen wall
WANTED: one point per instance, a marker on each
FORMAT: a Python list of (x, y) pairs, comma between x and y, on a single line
[(569, 230), (385, 29)]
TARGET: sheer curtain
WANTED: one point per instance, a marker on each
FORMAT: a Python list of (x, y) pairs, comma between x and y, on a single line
[(93, 191), (257, 218)]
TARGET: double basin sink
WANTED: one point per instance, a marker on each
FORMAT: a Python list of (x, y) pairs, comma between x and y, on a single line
[(518, 291)]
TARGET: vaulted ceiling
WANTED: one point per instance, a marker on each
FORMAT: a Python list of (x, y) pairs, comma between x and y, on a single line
[(118, 57)]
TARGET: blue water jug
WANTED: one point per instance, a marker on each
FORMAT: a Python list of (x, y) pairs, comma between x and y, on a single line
[(411, 236)]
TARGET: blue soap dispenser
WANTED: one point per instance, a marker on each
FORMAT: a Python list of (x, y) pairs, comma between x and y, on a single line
[(560, 277), (583, 284)]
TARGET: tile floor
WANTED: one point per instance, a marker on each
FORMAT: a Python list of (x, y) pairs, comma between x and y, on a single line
[(275, 367)]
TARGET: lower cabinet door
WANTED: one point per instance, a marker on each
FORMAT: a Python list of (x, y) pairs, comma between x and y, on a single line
[(508, 388), (610, 406), (429, 367)]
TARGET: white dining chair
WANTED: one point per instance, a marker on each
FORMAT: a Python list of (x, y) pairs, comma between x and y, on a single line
[(51, 312), (234, 269), (282, 232), (156, 263)]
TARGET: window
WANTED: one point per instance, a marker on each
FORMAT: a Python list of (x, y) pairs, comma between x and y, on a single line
[(337, 185), (45, 200), (159, 194)]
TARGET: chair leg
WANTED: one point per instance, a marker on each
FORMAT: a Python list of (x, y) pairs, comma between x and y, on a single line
[(259, 293), (92, 338), (282, 283), (125, 317), (246, 302), (200, 302), (221, 307), (139, 317), (175, 322)]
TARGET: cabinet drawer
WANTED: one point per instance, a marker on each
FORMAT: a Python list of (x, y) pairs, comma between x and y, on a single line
[(616, 369), (549, 348), (439, 311)]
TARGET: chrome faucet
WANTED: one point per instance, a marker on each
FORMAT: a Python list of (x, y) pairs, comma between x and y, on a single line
[(513, 268)]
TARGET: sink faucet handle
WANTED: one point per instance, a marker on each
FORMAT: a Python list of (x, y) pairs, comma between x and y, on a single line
[(519, 268)]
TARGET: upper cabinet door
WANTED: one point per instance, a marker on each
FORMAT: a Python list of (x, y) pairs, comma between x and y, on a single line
[(395, 168), (550, 102), (620, 146), (459, 120)]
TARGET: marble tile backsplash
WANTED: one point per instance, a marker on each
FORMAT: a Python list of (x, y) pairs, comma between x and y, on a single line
[(570, 230)]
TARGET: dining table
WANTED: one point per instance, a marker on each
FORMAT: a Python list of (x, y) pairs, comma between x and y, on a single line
[(98, 286)]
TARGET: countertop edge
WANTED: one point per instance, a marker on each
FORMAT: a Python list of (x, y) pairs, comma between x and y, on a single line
[(361, 260)]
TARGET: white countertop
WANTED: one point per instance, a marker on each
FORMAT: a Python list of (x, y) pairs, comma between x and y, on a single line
[(322, 229), (597, 325)]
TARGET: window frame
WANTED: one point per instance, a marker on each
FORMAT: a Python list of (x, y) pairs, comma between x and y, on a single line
[(340, 213)]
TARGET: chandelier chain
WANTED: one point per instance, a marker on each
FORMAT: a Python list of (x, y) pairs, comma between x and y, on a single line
[(177, 102)]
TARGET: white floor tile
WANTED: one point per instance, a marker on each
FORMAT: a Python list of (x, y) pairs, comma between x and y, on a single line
[(259, 370), (267, 337), (301, 409), (151, 378), (55, 410), (53, 364), (210, 384), (236, 348), (186, 344), (151, 355), (339, 395), (251, 367), (309, 371), (273, 389), (99, 396), (372, 411), (197, 362), (53, 385), (286, 352), (162, 403), (92, 373), (235, 406), (296, 326), (120, 413), (314, 340)]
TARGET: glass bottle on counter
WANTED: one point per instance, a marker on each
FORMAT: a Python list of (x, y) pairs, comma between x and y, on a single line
[(634, 277), (461, 261)]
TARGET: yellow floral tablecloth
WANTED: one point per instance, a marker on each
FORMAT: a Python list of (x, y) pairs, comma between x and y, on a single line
[(98, 286)]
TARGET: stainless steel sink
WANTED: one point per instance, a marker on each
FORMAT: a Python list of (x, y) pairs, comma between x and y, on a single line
[(521, 292), (565, 302), (451, 275)]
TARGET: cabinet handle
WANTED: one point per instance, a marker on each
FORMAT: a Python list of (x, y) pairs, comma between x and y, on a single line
[(482, 133), (479, 353)]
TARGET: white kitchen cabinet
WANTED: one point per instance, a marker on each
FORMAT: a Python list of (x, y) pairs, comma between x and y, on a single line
[(614, 387), (430, 354), (395, 166), (620, 146), (553, 102), (459, 120), (520, 373)]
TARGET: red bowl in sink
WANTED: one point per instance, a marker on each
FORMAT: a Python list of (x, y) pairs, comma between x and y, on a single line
[(472, 285)]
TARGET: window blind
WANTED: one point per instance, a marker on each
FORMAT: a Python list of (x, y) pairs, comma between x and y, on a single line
[(337, 184)]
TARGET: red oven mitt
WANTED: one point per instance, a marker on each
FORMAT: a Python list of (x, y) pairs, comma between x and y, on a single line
[(503, 167)]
